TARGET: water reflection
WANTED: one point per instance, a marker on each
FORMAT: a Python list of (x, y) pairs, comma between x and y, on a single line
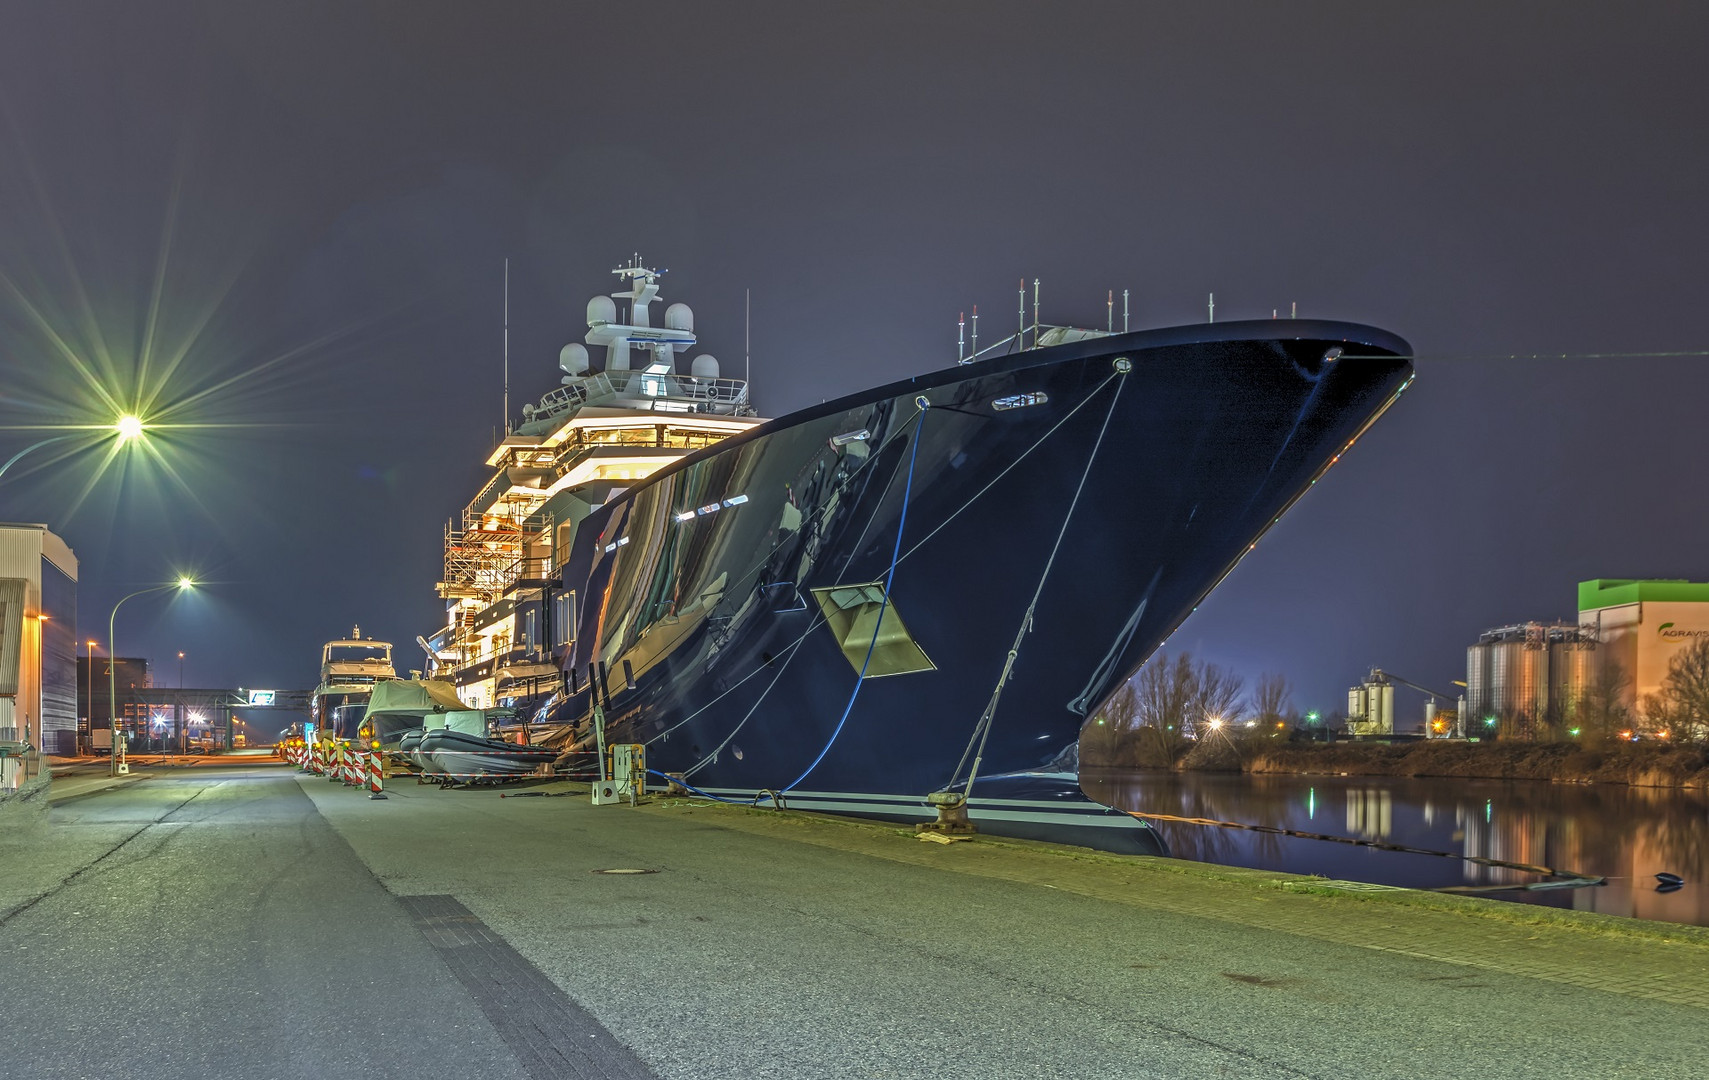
[(1624, 834)]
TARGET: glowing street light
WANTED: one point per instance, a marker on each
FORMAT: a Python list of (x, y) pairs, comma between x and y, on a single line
[(116, 760), (125, 429)]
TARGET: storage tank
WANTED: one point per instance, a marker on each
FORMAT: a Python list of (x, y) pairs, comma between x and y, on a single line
[(1529, 672)]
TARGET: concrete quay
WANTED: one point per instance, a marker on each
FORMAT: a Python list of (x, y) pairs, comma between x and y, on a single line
[(254, 921)]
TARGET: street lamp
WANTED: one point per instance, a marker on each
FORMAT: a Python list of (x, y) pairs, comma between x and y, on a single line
[(112, 668), (125, 428), (91, 680)]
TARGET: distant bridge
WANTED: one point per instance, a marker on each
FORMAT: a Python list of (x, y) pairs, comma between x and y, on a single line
[(167, 716)]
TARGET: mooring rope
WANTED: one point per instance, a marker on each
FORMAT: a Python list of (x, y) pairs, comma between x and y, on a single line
[(884, 599), (982, 730)]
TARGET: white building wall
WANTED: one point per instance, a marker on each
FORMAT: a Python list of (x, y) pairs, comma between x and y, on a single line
[(22, 551)]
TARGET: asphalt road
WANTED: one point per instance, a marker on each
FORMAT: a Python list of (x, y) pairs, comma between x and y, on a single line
[(212, 924), (257, 924)]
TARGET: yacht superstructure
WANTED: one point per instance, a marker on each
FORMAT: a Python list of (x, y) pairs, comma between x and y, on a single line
[(583, 444), (349, 669)]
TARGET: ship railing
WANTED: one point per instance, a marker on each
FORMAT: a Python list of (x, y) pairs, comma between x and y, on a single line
[(528, 568), (700, 389), (572, 396)]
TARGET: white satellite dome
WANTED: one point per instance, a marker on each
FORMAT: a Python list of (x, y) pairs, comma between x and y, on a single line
[(572, 359), (679, 317), (705, 366), (601, 309)]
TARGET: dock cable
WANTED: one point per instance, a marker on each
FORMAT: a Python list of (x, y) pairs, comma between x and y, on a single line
[(982, 730), (681, 783), (1554, 879), (924, 403), (817, 619), (793, 649)]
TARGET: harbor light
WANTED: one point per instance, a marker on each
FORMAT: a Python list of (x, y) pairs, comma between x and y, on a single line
[(186, 583), (128, 427)]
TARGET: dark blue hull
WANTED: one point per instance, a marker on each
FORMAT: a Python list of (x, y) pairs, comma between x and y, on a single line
[(1184, 446)]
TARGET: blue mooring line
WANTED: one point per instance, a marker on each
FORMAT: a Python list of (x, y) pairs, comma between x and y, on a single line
[(884, 604)]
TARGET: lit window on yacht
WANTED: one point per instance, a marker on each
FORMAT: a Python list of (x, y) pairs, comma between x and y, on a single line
[(622, 541), (686, 515), (1020, 401), (609, 548), (735, 500), (709, 508)]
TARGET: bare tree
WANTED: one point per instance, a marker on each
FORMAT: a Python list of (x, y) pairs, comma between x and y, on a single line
[(1121, 710), (1217, 697), (1601, 711), (1164, 690), (1104, 738), (1271, 697)]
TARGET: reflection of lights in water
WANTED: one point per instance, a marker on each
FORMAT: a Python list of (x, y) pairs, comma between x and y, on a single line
[(1370, 812), (1625, 833)]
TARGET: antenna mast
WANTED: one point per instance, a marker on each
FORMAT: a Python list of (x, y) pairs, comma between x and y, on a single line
[(1035, 313), (1021, 318), (748, 340)]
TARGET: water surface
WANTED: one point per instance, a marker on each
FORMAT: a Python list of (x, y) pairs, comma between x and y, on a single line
[(1625, 834)]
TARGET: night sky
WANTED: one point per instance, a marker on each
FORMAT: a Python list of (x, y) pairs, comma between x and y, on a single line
[(285, 225)]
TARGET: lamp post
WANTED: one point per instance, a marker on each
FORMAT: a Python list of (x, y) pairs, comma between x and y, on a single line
[(91, 680), (116, 761), (125, 428)]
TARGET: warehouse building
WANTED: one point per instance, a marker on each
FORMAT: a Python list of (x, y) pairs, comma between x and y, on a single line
[(1643, 625), (38, 643)]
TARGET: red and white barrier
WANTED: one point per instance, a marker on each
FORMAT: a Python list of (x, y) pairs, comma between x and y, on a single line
[(375, 776)]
